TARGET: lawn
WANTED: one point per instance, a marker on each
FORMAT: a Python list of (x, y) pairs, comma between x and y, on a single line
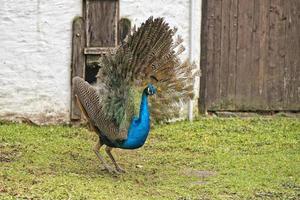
[(212, 158)]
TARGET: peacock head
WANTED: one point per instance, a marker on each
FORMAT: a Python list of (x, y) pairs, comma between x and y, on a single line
[(150, 90)]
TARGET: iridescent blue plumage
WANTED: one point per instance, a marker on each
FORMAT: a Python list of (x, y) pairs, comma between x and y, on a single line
[(139, 127)]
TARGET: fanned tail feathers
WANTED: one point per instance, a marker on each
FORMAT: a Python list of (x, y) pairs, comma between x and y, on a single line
[(148, 52)]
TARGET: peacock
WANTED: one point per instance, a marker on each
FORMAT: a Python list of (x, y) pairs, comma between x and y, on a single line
[(147, 66)]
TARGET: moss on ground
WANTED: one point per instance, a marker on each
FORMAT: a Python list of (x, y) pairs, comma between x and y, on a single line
[(212, 158)]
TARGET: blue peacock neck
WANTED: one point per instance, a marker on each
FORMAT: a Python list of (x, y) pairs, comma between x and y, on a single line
[(139, 128), (144, 115)]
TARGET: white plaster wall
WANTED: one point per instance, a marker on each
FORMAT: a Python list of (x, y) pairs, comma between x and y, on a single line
[(35, 51), (35, 58)]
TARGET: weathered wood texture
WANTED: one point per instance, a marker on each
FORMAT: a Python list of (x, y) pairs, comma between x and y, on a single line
[(250, 55), (78, 61), (94, 35), (101, 23), (124, 28), (204, 57), (102, 17)]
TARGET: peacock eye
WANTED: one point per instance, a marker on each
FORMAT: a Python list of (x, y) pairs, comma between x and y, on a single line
[(149, 90)]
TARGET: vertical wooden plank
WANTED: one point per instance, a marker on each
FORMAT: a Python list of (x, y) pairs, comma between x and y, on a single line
[(217, 51), (261, 53), (233, 27), (244, 54), (210, 85), (260, 57), (78, 61), (297, 58), (124, 28), (297, 80), (101, 23), (214, 80), (203, 57), (292, 59), (275, 71), (84, 5), (116, 22), (224, 61), (254, 84)]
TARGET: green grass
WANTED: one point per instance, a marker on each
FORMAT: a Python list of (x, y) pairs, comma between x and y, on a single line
[(213, 158)]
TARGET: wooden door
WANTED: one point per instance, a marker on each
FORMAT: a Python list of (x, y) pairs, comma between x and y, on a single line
[(94, 35), (250, 55)]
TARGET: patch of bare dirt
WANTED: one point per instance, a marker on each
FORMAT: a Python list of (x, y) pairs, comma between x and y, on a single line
[(9, 152), (201, 174)]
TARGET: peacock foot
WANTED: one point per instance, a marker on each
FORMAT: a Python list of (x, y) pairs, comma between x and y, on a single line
[(111, 170), (120, 170)]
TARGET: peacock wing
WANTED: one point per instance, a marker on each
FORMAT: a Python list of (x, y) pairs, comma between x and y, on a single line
[(89, 98)]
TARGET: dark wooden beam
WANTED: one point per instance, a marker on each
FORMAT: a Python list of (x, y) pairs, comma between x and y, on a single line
[(78, 61), (203, 58)]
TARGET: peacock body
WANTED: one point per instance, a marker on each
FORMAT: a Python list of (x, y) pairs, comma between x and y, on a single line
[(148, 57)]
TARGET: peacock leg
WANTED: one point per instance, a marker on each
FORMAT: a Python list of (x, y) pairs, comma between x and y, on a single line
[(118, 168), (97, 147)]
